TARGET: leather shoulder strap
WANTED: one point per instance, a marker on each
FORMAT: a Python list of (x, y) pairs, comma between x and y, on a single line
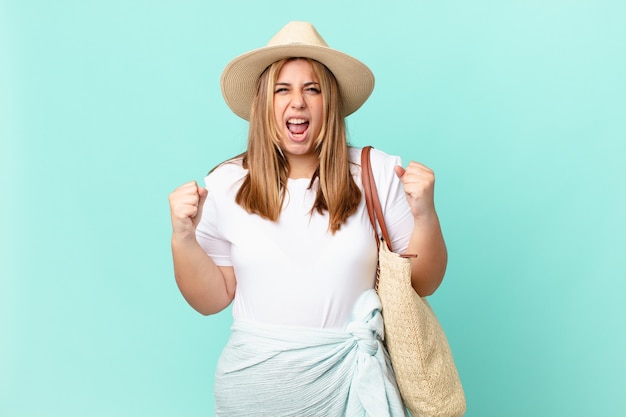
[(371, 197)]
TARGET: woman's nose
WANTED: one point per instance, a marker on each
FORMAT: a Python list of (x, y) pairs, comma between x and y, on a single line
[(297, 101)]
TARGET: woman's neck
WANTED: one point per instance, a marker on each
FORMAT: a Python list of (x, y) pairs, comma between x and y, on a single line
[(303, 166)]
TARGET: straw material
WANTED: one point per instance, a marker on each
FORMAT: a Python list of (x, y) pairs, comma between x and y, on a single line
[(418, 348), (296, 39), (420, 355)]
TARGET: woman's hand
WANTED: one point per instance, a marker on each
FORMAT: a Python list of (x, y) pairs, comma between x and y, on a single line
[(419, 184), (428, 269), (186, 209), (207, 287)]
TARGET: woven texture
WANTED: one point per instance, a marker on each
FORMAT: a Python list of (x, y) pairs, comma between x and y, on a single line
[(420, 354), (418, 348), (296, 39)]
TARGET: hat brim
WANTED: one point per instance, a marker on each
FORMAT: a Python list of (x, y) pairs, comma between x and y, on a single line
[(239, 78)]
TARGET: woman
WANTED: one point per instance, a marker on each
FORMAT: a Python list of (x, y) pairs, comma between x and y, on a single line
[(282, 232)]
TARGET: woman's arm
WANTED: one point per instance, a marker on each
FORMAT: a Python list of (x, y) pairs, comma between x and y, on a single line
[(208, 288), (428, 269)]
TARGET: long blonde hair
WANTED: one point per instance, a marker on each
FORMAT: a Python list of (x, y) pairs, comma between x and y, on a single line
[(263, 189)]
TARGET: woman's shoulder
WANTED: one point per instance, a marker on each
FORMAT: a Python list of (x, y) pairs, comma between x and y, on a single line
[(378, 158), (226, 174)]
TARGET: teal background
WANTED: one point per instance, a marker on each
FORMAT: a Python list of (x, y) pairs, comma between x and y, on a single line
[(107, 106)]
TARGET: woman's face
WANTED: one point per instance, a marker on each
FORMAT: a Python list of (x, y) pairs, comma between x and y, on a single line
[(298, 109)]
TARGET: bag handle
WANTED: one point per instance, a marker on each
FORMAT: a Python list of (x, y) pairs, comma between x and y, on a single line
[(372, 200)]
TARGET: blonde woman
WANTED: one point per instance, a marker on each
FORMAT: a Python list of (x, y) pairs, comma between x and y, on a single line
[(282, 233)]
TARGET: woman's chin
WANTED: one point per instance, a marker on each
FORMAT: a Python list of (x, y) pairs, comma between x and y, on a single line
[(303, 148)]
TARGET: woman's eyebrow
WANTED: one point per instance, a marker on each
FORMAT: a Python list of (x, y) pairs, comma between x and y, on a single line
[(306, 84)]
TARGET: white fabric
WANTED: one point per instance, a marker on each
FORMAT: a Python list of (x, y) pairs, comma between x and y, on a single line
[(273, 371), (294, 271)]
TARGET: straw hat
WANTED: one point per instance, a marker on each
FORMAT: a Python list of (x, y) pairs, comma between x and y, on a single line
[(296, 39)]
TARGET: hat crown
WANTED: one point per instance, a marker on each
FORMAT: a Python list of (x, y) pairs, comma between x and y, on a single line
[(303, 33), (296, 39)]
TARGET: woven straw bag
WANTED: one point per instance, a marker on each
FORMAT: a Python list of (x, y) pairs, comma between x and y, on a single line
[(418, 348)]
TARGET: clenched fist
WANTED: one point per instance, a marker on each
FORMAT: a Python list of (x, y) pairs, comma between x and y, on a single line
[(186, 209), (419, 183)]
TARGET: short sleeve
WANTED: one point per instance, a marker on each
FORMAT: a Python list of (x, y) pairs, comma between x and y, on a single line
[(221, 186), (398, 216)]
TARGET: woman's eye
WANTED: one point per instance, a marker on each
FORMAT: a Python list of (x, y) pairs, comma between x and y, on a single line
[(280, 90), (314, 90)]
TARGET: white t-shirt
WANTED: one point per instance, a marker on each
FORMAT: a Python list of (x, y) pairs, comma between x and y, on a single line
[(295, 271)]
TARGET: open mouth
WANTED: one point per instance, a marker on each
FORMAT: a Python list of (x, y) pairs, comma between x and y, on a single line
[(297, 127)]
